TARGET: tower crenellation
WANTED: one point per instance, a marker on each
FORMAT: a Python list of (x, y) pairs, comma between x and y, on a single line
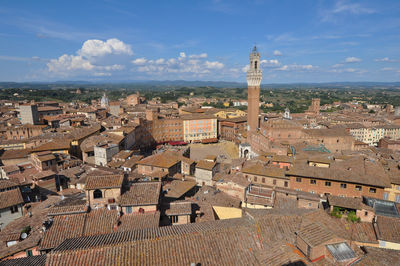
[(254, 74)]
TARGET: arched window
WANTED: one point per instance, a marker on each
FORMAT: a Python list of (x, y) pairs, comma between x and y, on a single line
[(255, 64), (141, 210), (97, 194)]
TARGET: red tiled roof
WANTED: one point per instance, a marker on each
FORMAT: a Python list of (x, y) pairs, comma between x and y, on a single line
[(131, 222), (163, 160), (10, 198), (63, 227), (105, 181), (388, 228), (145, 193), (5, 183), (179, 208)]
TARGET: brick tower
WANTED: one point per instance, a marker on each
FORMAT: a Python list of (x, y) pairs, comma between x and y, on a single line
[(254, 76)]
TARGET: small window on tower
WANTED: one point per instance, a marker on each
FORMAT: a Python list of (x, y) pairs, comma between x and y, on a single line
[(255, 65)]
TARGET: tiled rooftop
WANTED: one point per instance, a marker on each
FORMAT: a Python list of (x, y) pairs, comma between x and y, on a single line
[(104, 181), (10, 198), (129, 222), (142, 193)]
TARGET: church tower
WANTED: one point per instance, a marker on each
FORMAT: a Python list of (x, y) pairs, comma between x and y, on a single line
[(254, 76)]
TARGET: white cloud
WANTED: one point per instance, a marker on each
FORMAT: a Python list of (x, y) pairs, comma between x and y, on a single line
[(189, 64), (385, 59), (277, 53), (352, 59), (85, 61), (337, 65), (68, 63), (101, 74), (349, 70), (203, 55), (296, 67), (270, 63), (139, 61), (342, 8), (353, 8), (111, 67), (160, 61), (245, 68), (214, 65), (100, 48)]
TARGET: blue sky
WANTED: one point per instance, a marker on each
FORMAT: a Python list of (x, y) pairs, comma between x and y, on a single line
[(299, 41)]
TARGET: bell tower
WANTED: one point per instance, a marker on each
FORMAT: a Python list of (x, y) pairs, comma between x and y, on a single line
[(254, 76)]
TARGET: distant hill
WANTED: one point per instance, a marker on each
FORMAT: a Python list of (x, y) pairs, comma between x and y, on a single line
[(167, 84)]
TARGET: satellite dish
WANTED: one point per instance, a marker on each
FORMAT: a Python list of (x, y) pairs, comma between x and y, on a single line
[(24, 235)]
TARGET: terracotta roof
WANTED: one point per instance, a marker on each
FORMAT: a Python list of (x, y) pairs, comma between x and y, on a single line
[(347, 202), (148, 233), (217, 248), (177, 188), (129, 222), (361, 232), (380, 256), (163, 160), (47, 157), (314, 234), (282, 158), (104, 181), (63, 227), (258, 169), (72, 209), (356, 170), (99, 221), (5, 183), (143, 193), (53, 145), (39, 260), (14, 154), (132, 161), (207, 165), (179, 208), (10, 198), (10, 168), (388, 228)]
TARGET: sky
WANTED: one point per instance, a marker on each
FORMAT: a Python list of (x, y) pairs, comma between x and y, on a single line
[(208, 40)]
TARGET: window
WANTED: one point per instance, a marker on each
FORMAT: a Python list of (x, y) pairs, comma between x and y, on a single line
[(397, 198), (313, 181), (14, 209), (129, 209), (327, 183), (286, 183), (365, 213), (255, 179), (309, 204), (298, 179), (174, 218), (372, 190), (274, 182), (385, 196), (343, 185), (97, 194), (358, 188), (263, 180)]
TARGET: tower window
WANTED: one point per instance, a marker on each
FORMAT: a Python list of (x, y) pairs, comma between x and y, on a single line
[(255, 65)]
